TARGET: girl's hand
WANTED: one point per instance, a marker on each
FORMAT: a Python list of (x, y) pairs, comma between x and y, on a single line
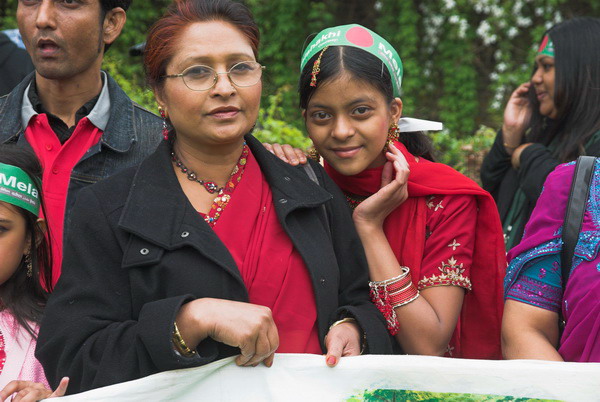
[(517, 116), (247, 326), (342, 340), (393, 191), (28, 391), (287, 153)]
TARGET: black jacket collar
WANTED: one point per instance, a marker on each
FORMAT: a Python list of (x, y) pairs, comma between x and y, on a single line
[(120, 132), (157, 209)]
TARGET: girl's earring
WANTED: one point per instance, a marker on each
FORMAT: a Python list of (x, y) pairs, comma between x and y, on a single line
[(314, 154), (165, 128), (29, 265), (393, 135)]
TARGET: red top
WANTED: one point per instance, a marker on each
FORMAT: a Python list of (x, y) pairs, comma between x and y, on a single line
[(273, 271), (447, 232), (58, 160)]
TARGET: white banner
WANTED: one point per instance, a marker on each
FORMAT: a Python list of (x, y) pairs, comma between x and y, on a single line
[(307, 378)]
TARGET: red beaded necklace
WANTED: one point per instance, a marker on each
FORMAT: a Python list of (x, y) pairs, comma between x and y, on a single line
[(222, 199)]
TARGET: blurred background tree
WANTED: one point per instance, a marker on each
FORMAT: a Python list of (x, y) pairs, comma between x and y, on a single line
[(462, 58)]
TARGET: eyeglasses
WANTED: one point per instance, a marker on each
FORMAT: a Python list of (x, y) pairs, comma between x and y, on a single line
[(203, 78)]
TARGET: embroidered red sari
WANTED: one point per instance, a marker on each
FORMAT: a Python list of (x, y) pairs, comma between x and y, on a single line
[(273, 271), (480, 271)]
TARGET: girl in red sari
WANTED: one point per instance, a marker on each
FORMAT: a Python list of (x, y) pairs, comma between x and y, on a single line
[(432, 236)]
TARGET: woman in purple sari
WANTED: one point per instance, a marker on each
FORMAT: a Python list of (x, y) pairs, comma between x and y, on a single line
[(533, 289)]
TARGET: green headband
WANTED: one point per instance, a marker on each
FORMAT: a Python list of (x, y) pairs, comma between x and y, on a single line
[(17, 188), (358, 36), (546, 47)]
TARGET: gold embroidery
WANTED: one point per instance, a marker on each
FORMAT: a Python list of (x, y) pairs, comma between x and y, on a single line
[(454, 244), (451, 273), (432, 205)]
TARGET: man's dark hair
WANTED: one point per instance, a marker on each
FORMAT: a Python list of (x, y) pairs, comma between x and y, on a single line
[(108, 5)]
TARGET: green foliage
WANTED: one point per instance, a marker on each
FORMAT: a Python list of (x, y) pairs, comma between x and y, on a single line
[(462, 58), (272, 128), (464, 154)]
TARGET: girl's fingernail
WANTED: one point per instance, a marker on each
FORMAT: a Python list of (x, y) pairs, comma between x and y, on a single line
[(331, 361)]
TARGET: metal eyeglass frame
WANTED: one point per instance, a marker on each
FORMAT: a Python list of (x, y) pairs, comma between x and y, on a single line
[(216, 75)]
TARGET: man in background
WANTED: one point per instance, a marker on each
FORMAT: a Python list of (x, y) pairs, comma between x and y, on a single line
[(75, 117)]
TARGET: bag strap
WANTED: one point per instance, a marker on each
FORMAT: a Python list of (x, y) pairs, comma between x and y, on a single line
[(580, 190), (313, 176)]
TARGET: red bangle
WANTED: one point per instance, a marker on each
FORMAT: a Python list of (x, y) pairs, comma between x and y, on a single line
[(404, 296)]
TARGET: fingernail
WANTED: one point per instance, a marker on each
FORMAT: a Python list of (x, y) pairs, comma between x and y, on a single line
[(331, 361)]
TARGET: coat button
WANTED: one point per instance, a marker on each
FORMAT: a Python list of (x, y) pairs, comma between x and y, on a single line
[(282, 201), (286, 178), (185, 234), (322, 281), (144, 251)]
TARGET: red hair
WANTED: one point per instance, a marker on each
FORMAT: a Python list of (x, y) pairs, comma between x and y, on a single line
[(162, 38)]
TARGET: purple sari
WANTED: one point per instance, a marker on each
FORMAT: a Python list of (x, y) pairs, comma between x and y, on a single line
[(580, 302)]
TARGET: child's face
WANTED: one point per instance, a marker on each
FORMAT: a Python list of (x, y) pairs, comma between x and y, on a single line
[(348, 122), (14, 241)]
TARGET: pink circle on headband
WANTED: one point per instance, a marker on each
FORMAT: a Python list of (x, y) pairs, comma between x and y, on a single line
[(359, 37)]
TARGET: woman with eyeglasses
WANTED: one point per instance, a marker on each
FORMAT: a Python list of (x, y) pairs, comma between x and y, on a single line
[(212, 247)]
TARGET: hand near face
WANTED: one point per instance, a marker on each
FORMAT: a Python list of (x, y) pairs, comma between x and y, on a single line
[(249, 327), (393, 191), (517, 115), (28, 391), (342, 340)]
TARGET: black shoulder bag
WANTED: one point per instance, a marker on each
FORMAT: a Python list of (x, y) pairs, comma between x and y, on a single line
[(580, 190)]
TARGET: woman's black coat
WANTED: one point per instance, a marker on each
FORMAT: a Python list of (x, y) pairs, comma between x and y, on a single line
[(138, 250), (502, 180)]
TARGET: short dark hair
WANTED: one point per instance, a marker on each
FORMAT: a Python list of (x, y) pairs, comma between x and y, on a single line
[(576, 89), (24, 296), (365, 67), (108, 5)]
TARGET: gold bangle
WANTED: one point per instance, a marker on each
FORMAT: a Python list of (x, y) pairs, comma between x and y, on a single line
[(363, 335), (343, 320), (179, 343), (510, 147)]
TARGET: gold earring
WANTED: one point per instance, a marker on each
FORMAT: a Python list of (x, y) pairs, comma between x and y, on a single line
[(314, 154), (29, 265), (392, 136)]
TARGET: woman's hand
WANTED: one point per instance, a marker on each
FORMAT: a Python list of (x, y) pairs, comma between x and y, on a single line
[(249, 327), (393, 191), (32, 391), (517, 115), (342, 340), (287, 153)]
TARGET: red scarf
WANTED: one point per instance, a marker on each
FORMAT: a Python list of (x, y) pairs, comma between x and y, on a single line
[(273, 271), (477, 334)]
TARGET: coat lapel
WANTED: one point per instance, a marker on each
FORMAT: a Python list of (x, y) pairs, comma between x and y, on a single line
[(150, 213)]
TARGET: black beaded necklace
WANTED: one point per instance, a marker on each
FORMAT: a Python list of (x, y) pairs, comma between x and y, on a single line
[(209, 186)]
